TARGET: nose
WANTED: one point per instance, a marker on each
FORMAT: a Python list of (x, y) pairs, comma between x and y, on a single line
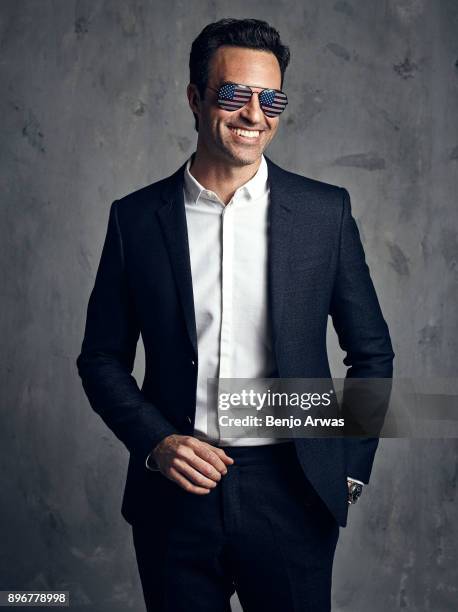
[(252, 111)]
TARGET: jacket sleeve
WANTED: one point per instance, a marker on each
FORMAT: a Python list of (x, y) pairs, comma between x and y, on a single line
[(108, 352), (363, 334)]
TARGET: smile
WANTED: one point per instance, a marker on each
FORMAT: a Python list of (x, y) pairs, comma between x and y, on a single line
[(245, 133)]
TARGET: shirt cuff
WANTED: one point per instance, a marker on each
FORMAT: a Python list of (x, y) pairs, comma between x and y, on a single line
[(355, 480), (150, 463)]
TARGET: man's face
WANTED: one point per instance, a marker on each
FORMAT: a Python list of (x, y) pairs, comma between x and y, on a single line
[(217, 135)]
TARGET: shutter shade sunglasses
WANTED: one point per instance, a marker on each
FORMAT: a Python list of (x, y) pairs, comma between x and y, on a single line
[(234, 96)]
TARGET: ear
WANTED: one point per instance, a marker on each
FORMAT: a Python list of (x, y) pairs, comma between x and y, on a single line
[(193, 98)]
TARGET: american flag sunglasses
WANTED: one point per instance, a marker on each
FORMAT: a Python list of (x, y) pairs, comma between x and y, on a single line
[(233, 96)]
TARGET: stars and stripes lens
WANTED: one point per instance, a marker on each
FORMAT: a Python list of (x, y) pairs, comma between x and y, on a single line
[(232, 97), (272, 102)]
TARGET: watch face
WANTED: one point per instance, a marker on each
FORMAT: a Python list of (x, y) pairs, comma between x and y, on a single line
[(355, 491)]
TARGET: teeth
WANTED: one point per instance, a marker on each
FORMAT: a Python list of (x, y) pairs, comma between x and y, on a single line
[(247, 133)]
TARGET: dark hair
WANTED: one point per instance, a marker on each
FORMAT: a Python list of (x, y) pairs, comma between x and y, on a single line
[(248, 33)]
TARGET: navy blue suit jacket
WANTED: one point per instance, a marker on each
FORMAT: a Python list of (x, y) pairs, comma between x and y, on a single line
[(143, 285)]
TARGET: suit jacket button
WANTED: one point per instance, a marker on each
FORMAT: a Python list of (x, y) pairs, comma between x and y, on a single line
[(193, 362), (189, 419)]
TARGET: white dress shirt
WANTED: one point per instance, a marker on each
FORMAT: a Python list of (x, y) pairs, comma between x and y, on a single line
[(228, 246), (228, 251)]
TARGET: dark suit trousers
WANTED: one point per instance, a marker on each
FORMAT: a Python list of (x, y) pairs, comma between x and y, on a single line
[(263, 531)]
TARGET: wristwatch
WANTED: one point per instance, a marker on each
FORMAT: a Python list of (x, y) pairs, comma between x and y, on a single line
[(354, 491)]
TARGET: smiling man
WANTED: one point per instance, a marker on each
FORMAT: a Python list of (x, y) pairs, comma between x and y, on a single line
[(229, 268), (232, 139)]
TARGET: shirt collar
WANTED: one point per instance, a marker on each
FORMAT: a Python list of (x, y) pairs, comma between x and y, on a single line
[(252, 189)]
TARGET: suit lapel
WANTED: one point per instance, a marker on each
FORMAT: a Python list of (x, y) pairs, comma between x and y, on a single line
[(281, 207), (172, 217)]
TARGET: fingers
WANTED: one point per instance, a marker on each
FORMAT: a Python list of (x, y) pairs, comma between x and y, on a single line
[(185, 484), (195, 476), (206, 468), (208, 459), (213, 455), (222, 455), (196, 455), (194, 465)]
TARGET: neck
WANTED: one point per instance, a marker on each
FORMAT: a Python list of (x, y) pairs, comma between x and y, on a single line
[(219, 175)]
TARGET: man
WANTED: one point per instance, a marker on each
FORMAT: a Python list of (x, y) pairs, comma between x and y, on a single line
[(229, 268)]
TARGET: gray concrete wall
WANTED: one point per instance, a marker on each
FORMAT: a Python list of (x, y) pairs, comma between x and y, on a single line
[(93, 106)]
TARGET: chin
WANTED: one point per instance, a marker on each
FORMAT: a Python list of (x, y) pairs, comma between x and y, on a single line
[(244, 158)]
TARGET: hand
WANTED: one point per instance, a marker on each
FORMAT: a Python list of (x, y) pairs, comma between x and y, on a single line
[(195, 466)]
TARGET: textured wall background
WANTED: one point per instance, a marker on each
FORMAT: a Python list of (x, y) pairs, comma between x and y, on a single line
[(93, 97)]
